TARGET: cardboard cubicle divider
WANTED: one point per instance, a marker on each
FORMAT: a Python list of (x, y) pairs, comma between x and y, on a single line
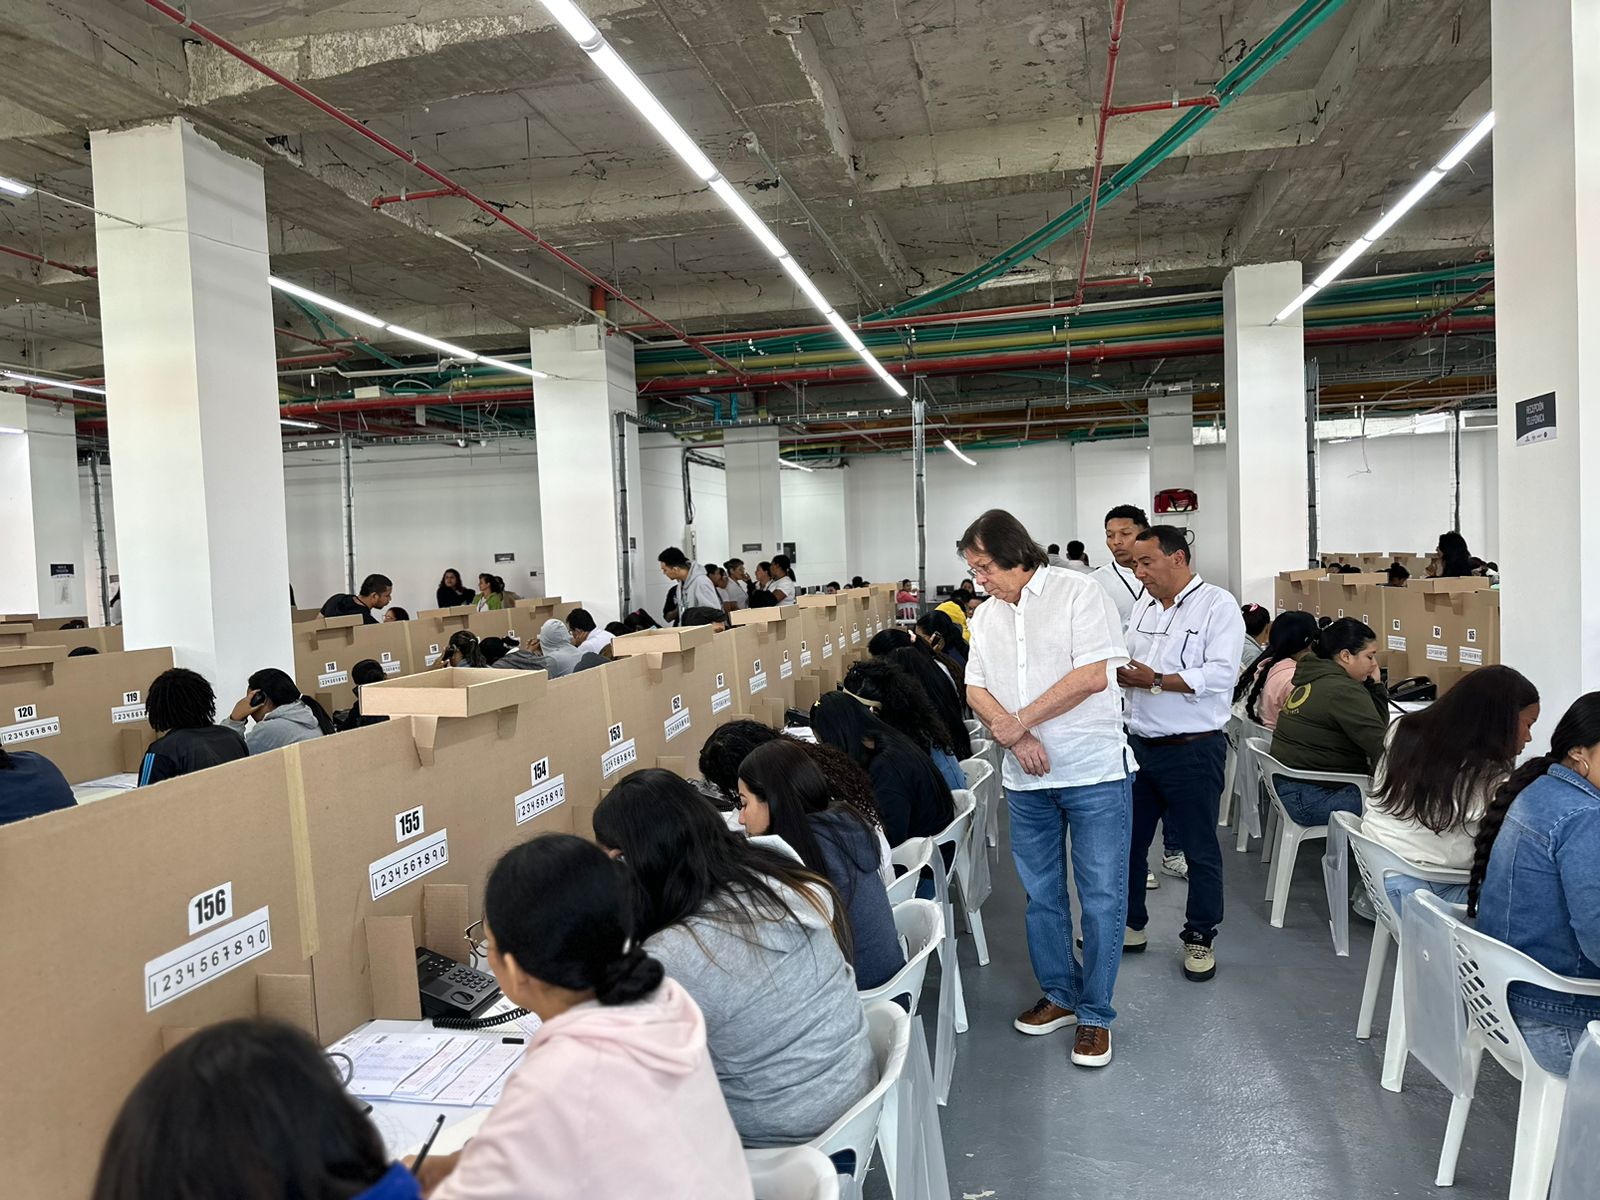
[(127, 893), (682, 669), (84, 714), (767, 656), (1441, 628), (1298, 591), (106, 639), (821, 651), (325, 650), (45, 624), (855, 608), (473, 751), (14, 633), (1346, 596)]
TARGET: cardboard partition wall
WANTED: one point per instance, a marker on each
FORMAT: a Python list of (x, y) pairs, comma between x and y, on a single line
[(855, 610), (1346, 596), (683, 667), (84, 714), (14, 633), (575, 734), (1440, 623), (779, 632), (822, 644), (429, 632), (755, 692), (529, 614), (107, 639), (404, 820), (1298, 590), (45, 624), (635, 733), (162, 911), (325, 650)]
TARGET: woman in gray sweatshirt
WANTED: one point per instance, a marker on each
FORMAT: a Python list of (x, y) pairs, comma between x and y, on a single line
[(273, 713), (762, 946)]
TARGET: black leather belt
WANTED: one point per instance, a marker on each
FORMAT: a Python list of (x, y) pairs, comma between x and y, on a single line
[(1177, 739)]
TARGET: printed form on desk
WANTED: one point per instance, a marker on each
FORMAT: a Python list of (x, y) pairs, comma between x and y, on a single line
[(432, 1067)]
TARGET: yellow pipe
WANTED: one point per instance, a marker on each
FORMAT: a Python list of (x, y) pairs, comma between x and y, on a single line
[(1050, 337)]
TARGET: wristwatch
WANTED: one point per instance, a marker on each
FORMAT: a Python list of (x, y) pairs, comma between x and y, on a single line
[(1155, 688)]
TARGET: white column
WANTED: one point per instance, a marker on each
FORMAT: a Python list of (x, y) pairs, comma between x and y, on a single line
[(1171, 417), (1264, 379), (192, 404), (1547, 287), (574, 411), (41, 546), (755, 497)]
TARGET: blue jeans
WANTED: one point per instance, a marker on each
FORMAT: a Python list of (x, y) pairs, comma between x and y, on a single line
[(1310, 804), (949, 768), (1180, 785), (1552, 1045), (1401, 886), (1098, 816)]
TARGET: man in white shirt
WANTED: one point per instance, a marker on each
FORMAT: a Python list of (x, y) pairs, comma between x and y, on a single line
[(1184, 638), (1044, 648)]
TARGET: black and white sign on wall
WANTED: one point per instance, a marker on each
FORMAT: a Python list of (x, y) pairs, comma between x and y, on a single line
[(1536, 419)]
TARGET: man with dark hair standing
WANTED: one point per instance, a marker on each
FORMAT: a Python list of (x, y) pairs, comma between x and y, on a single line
[(694, 587), (1044, 649), (1184, 637), (375, 593), (1124, 524)]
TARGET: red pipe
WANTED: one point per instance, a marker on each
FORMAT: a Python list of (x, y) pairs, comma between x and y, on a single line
[(314, 360), (86, 272), (345, 119), (1429, 325), (406, 197), (1112, 50), (1123, 110)]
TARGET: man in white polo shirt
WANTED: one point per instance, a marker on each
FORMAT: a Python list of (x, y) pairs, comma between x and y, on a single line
[(1184, 638), (1044, 649)]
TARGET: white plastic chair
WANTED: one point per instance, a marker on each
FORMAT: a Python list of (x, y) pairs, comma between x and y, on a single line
[(889, 1027), (1578, 1149), (975, 728), (913, 854), (1247, 786), (792, 1173), (1376, 863), (1284, 831), (920, 924), (969, 867), (1485, 968), (984, 782), (1234, 731)]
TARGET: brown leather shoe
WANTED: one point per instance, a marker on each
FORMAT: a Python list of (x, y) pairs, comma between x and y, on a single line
[(1092, 1047), (1045, 1017)]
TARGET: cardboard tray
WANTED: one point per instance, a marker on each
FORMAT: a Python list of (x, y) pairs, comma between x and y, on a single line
[(452, 692)]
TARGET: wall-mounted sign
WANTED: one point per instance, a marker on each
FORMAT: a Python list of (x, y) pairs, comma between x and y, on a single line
[(1536, 419), (500, 558)]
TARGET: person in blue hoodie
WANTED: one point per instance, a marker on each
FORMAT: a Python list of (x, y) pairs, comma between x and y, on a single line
[(255, 1110), (30, 784)]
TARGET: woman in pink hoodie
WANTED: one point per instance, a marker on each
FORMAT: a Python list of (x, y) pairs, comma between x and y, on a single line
[(616, 1095)]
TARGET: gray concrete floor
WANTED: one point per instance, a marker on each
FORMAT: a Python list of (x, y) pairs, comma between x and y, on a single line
[(1251, 1085)]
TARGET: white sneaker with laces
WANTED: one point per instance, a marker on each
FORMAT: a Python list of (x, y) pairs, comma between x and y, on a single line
[(1151, 883), (1175, 865)]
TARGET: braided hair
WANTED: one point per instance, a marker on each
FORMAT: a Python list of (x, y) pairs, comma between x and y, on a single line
[(180, 699), (1579, 726), (1292, 633)]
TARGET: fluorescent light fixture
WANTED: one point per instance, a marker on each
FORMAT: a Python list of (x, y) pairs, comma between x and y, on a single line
[(327, 302), (590, 40), (794, 466), (752, 220), (450, 348), (71, 385), (1401, 207), (15, 186), (10, 429), (291, 423), (1468, 143), (951, 446), (579, 28), (516, 368), (642, 98)]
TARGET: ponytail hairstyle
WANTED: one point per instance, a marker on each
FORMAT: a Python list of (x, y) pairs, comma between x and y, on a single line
[(1347, 633), (1579, 726), (1292, 633), (277, 687), (1461, 746), (1256, 619), (466, 644), (559, 906)]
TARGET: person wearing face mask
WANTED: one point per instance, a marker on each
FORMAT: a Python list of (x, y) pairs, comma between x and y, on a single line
[(1534, 884), (1442, 769), (616, 1094), (1336, 719), (1184, 637)]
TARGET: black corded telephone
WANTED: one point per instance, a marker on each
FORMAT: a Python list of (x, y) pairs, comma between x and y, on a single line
[(450, 990), (1415, 689)]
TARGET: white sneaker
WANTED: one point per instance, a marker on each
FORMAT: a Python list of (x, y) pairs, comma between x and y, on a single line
[(1361, 905), (1151, 883), (1175, 865)]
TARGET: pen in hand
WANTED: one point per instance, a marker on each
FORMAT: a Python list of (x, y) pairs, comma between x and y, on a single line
[(416, 1163)]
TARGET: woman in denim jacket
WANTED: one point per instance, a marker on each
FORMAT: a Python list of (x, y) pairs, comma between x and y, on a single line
[(1536, 880)]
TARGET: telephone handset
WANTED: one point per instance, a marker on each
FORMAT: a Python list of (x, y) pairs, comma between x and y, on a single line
[(451, 990), (1417, 688)]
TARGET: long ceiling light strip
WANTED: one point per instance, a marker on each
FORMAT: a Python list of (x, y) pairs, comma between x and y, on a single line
[(400, 331), (15, 186), (70, 384), (591, 42), (1405, 204), (951, 446), (794, 466)]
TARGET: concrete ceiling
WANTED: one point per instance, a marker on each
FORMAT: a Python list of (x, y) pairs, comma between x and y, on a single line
[(893, 145)]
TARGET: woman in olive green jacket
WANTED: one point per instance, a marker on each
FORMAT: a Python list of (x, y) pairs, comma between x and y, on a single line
[(1335, 720)]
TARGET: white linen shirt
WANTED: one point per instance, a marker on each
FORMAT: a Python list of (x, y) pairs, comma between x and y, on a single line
[(1122, 585), (1199, 639), (1062, 621)]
